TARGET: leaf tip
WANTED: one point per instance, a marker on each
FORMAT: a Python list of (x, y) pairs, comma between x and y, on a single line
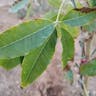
[(23, 85)]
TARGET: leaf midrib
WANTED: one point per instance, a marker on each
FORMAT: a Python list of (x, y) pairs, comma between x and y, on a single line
[(34, 64), (29, 35)]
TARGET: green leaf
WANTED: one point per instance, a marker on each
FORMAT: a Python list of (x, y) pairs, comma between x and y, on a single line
[(50, 15), (71, 14), (9, 63), (55, 3), (91, 27), (68, 47), (16, 7), (37, 60), (19, 40), (74, 30), (80, 19), (92, 3), (88, 69)]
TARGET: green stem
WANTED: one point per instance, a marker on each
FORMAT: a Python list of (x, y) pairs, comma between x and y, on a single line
[(88, 45), (59, 12), (85, 90), (84, 82)]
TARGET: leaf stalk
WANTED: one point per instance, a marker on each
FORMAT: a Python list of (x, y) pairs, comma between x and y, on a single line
[(59, 12)]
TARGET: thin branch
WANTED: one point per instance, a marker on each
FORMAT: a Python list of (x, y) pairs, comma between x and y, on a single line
[(59, 12), (85, 90)]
